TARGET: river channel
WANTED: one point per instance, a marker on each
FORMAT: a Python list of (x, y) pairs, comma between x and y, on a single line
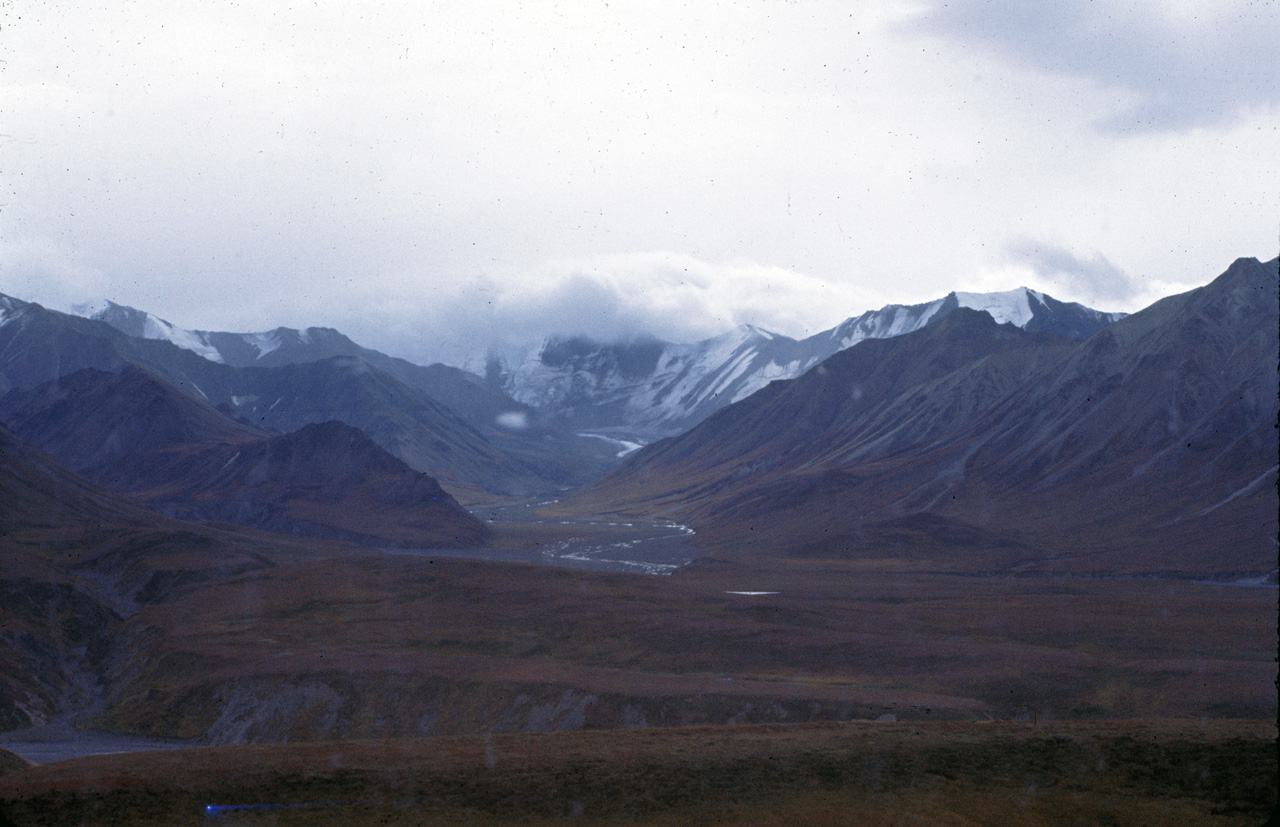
[(615, 545)]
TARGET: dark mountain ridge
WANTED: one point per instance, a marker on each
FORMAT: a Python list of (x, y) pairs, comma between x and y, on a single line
[(38, 345), (75, 561), (136, 434), (1148, 446), (517, 428), (108, 425), (324, 480)]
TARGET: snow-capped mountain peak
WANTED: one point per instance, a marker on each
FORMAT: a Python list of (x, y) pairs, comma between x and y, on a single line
[(1009, 307), (265, 342), (9, 307), (758, 331), (659, 388), (229, 348), (143, 325)]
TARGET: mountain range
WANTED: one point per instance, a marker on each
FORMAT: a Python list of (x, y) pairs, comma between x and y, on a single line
[(648, 388), (634, 391), (439, 420), (150, 477), (1011, 425), (1149, 445)]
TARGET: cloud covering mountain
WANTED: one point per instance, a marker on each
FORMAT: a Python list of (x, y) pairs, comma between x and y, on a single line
[(434, 180)]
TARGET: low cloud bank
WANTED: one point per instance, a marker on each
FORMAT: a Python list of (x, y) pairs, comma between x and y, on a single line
[(1092, 280), (670, 296)]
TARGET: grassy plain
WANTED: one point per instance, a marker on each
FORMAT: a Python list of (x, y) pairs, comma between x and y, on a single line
[(1138, 772), (1000, 699), (418, 637)]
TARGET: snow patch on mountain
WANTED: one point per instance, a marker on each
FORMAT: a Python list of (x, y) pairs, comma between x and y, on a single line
[(893, 320), (769, 373), (652, 387), (141, 324), (9, 308), (703, 372), (596, 385), (264, 343), (735, 369), (625, 446), (192, 340), (1010, 307)]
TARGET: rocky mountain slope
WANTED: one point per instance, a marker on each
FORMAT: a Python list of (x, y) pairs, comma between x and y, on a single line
[(1149, 445), (75, 562), (649, 388), (627, 392), (467, 394), (136, 434), (484, 446)]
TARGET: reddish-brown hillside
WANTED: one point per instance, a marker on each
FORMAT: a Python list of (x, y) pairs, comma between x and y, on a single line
[(1148, 446)]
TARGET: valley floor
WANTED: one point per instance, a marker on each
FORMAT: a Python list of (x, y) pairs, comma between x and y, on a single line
[(1125, 773), (376, 645), (343, 685)]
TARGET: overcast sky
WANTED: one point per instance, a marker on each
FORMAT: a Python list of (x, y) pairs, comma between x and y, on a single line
[(431, 178)]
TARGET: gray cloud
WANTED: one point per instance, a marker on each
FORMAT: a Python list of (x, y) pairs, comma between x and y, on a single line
[(1175, 65), (1093, 279), (671, 296), (435, 178)]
